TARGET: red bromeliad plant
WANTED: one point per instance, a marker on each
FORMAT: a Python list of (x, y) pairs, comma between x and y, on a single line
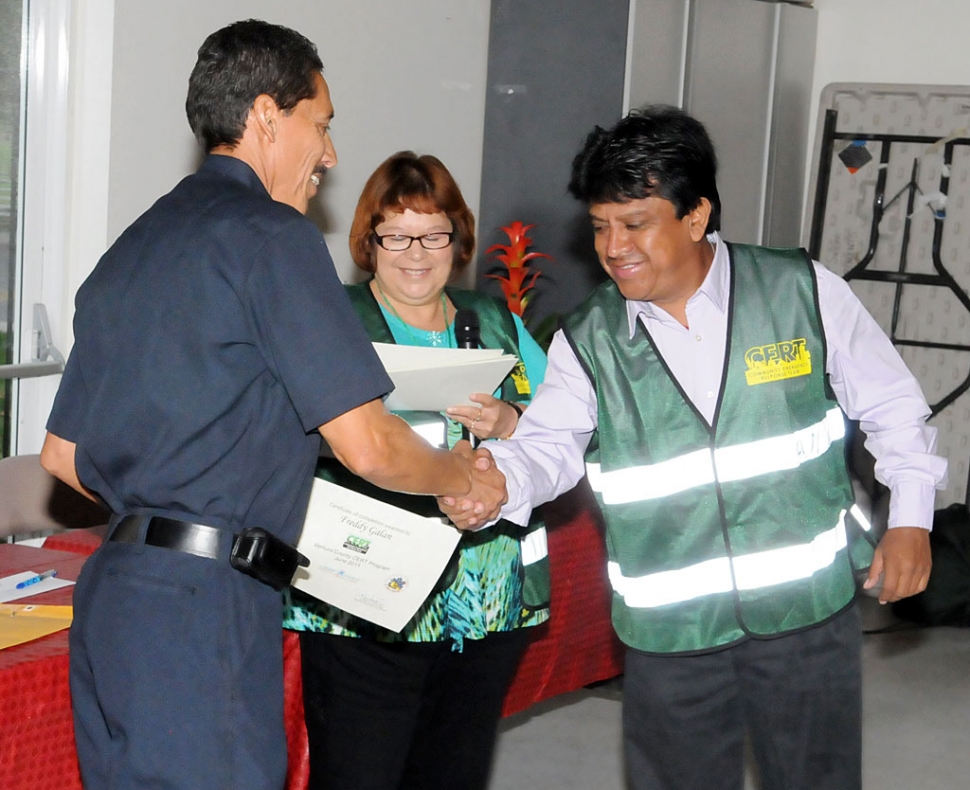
[(521, 278)]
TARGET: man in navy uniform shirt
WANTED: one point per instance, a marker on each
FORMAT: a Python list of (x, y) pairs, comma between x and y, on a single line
[(214, 345)]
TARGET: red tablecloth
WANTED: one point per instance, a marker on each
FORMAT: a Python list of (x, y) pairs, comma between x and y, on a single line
[(578, 645), (575, 648), (80, 541), (36, 729)]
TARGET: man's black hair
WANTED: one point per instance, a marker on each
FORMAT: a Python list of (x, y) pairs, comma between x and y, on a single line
[(655, 151), (238, 63)]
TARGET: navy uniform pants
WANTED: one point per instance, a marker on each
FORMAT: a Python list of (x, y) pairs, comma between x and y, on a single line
[(797, 697), (176, 673)]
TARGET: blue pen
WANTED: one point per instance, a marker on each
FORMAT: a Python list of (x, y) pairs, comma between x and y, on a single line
[(38, 578)]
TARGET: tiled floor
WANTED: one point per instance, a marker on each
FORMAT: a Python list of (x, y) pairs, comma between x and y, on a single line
[(916, 733)]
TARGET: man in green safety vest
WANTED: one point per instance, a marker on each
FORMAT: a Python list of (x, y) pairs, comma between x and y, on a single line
[(703, 389)]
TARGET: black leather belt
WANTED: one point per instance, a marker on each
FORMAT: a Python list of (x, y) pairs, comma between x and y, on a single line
[(168, 533), (254, 551)]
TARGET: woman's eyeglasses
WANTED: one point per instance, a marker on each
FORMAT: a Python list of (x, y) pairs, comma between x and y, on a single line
[(398, 242)]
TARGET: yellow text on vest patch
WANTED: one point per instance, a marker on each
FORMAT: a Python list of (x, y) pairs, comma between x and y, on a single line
[(776, 361)]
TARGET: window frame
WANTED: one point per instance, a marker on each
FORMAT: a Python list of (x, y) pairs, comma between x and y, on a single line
[(64, 178)]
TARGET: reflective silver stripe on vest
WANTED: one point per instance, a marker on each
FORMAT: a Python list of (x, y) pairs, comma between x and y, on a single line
[(535, 547), (860, 518), (751, 571), (434, 432), (738, 462)]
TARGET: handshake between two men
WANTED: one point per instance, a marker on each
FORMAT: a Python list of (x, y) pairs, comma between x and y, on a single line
[(486, 496), (381, 448)]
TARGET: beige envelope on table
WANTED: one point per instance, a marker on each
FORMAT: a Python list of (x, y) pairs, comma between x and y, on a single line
[(21, 623)]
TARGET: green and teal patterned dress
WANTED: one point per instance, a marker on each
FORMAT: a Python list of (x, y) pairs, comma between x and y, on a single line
[(486, 593)]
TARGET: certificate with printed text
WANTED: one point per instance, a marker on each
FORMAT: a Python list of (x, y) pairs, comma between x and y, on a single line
[(369, 558)]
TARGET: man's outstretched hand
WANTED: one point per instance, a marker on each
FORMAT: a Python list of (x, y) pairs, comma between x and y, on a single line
[(487, 495)]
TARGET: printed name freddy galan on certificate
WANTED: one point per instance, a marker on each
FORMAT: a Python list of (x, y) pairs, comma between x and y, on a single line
[(371, 559)]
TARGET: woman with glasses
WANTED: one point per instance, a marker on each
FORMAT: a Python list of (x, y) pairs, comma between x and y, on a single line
[(420, 708)]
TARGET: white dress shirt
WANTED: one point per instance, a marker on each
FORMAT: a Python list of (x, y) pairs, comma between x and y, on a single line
[(871, 382)]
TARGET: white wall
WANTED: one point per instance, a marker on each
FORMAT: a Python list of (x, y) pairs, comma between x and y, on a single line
[(910, 41), (895, 41), (401, 75), (413, 75)]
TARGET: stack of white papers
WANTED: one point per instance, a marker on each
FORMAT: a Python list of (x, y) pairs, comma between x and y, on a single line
[(432, 379)]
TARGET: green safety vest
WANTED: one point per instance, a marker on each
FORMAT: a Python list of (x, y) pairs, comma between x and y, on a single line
[(497, 331), (719, 533)]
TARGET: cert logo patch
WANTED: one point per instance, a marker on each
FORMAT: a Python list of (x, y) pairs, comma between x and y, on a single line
[(357, 543), (521, 379), (397, 583), (787, 359)]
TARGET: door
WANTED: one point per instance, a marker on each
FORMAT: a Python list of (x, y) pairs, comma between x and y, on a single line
[(33, 84)]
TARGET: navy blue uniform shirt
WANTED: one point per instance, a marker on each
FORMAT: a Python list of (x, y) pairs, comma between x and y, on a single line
[(211, 340)]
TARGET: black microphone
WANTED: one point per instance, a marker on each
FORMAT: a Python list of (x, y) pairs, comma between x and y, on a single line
[(467, 330), (467, 335)]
